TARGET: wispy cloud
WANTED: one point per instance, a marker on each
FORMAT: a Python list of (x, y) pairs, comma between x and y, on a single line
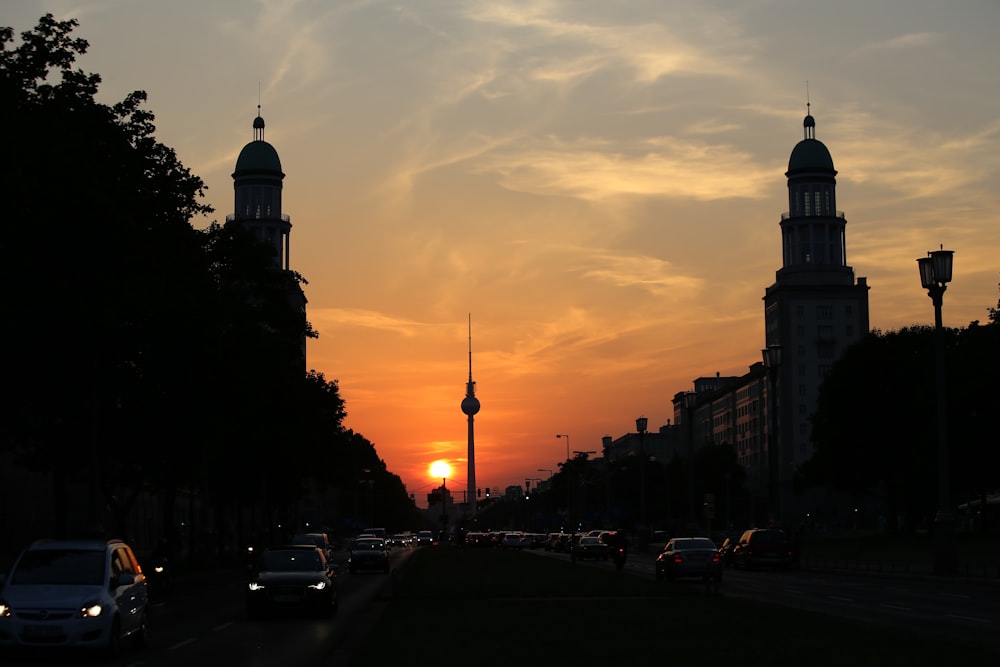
[(667, 167)]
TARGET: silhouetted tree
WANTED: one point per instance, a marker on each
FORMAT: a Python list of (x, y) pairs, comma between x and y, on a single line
[(93, 265), (874, 427)]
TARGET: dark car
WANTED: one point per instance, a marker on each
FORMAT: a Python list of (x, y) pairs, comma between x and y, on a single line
[(321, 540), (762, 547), (590, 546), (689, 557), (293, 577), (368, 553)]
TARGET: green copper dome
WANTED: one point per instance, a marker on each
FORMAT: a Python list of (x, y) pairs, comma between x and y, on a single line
[(258, 156), (810, 154)]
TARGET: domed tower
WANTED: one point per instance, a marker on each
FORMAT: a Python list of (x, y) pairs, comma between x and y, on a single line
[(470, 406), (814, 309), (257, 182)]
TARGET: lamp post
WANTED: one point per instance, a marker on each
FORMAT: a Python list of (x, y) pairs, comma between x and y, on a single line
[(935, 274), (563, 435), (772, 362), (690, 398), (640, 426)]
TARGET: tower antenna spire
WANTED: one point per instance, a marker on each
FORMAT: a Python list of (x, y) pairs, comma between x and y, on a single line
[(470, 406)]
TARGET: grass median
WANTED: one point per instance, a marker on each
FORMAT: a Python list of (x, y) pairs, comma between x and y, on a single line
[(503, 607)]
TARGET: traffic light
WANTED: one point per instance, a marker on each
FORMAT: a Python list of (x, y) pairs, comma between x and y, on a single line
[(487, 492), (479, 493)]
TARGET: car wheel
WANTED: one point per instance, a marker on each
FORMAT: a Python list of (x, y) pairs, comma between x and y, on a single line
[(113, 646), (659, 574), (140, 638)]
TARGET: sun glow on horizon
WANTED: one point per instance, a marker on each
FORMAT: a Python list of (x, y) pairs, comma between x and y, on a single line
[(440, 469)]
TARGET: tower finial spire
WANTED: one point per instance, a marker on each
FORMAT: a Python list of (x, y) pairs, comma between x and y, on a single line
[(809, 123)]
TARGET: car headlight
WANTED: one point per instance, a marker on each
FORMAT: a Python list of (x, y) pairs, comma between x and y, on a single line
[(91, 610), (256, 586), (319, 585), (4, 609)]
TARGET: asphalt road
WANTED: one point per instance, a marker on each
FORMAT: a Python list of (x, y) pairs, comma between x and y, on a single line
[(204, 622), (962, 609)]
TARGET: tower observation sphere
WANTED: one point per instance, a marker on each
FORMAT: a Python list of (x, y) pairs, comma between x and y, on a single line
[(470, 405)]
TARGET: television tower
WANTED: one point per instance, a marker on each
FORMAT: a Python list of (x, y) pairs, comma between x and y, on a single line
[(470, 406)]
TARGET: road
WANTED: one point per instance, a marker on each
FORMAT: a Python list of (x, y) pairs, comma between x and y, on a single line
[(957, 609), (203, 622)]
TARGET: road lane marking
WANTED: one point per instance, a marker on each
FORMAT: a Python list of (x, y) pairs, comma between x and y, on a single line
[(183, 643), (896, 607)]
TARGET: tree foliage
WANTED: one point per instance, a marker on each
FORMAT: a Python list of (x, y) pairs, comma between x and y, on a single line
[(875, 427), (144, 355)]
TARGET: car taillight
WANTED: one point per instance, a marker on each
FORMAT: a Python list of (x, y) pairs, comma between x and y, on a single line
[(715, 557), (678, 558)]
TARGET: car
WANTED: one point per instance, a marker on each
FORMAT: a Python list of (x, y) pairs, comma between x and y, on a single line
[(590, 546), (399, 540), (689, 557), (762, 547), (294, 577), (515, 540), (321, 540), (88, 594), (368, 553), (425, 537)]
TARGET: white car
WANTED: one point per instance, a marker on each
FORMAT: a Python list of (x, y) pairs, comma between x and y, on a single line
[(74, 593)]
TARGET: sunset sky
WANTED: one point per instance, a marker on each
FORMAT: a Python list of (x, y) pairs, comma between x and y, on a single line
[(598, 183)]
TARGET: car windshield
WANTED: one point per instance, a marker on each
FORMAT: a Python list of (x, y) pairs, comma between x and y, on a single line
[(291, 561), (769, 536), (309, 539), (72, 567), (364, 545), (694, 543), (590, 540)]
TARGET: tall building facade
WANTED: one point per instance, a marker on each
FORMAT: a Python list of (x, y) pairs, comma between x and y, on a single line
[(814, 309)]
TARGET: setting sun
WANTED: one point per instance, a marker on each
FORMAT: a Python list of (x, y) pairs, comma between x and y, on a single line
[(440, 469)]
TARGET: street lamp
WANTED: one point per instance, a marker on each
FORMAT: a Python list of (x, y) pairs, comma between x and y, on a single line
[(640, 426), (935, 274), (563, 435), (772, 362)]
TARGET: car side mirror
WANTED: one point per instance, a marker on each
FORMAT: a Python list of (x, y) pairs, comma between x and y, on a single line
[(126, 579)]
